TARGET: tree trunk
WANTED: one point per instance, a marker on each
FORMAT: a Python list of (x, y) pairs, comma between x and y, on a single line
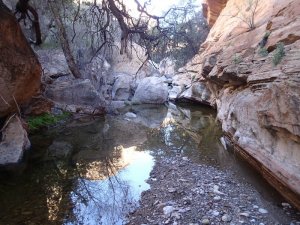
[(63, 38)]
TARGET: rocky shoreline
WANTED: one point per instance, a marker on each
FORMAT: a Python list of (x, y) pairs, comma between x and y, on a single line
[(184, 192)]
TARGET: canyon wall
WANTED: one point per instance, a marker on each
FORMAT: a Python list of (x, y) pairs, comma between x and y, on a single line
[(251, 64), (20, 70)]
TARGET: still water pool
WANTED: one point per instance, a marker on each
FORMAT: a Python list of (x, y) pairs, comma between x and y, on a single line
[(93, 170)]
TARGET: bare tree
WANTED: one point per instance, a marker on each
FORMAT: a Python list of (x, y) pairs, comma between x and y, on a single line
[(63, 38), (24, 9)]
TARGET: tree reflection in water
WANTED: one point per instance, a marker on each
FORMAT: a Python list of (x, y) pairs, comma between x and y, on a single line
[(103, 175)]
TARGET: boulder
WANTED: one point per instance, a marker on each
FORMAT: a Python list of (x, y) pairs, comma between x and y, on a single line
[(78, 95), (175, 92), (20, 70), (59, 149), (121, 89), (77, 91), (54, 64), (151, 90), (14, 142), (197, 92)]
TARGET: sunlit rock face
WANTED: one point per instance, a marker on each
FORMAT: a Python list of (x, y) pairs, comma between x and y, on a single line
[(258, 102), (19, 68), (213, 9)]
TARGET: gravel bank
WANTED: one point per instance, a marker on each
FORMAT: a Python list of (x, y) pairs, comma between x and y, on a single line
[(183, 192)]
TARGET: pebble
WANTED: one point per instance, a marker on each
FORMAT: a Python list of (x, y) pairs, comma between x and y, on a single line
[(168, 210), (215, 213), (217, 198), (130, 115), (171, 190), (226, 218), (262, 211), (244, 214), (287, 205), (205, 221)]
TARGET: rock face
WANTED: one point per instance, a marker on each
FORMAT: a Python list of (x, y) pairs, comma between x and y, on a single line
[(213, 9), (258, 102), (167, 67), (19, 68), (14, 142), (151, 90)]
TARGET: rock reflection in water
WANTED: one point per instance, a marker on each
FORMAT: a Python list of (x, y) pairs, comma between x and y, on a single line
[(93, 171)]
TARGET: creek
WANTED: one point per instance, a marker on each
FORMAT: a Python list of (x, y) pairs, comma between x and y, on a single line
[(94, 170)]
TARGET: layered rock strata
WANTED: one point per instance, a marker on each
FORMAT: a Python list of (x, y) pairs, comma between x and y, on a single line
[(253, 73)]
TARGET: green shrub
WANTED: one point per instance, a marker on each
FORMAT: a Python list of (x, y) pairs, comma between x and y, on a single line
[(236, 59), (44, 120), (263, 52), (279, 53)]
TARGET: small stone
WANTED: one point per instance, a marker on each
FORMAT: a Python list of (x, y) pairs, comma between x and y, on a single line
[(172, 190), (262, 211), (261, 224), (215, 213), (245, 214), (217, 198), (185, 158), (168, 210), (205, 221), (130, 115), (255, 207), (226, 218), (286, 205), (176, 215)]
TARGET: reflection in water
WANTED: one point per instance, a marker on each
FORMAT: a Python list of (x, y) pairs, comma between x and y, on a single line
[(108, 200), (94, 171)]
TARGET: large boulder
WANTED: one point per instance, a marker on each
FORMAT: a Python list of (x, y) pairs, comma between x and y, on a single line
[(151, 90), (121, 89), (78, 95), (20, 70), (54, 64), (14, 142), (198, 92)]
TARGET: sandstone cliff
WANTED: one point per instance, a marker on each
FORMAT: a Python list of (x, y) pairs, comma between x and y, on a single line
[(19, 68), (256, 87)]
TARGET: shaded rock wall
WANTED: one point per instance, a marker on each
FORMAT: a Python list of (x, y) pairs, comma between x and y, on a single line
[(19, 68), (258, 102)]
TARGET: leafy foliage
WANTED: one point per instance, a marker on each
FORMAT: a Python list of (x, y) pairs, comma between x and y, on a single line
[(236, 59), (187, 31), (44, 120), (263, 52), (279, 53)]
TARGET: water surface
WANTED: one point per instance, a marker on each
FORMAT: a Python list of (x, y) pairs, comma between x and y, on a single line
[(93, 170)]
